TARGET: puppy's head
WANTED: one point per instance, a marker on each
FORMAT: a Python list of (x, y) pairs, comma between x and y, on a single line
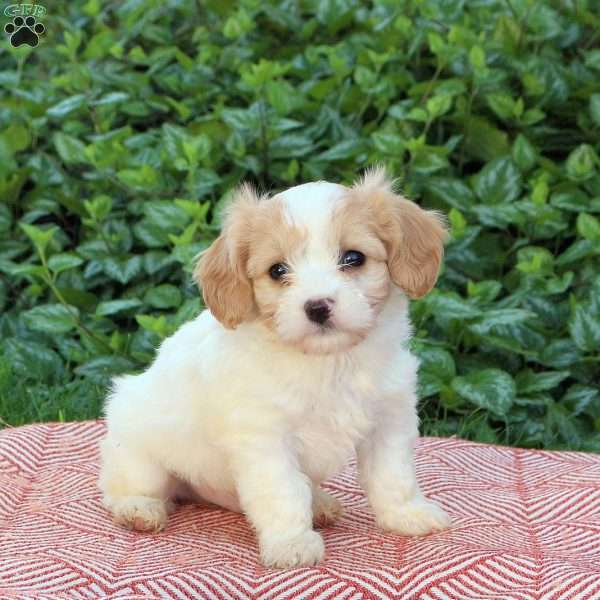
[(316, 262)]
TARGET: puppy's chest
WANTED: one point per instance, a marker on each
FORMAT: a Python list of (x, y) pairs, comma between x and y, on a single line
[(340, 406)]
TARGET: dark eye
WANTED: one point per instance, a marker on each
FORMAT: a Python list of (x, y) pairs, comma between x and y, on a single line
[(352, 258), (278, 270)]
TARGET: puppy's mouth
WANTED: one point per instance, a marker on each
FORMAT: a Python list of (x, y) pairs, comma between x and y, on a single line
[(330, 337), (329, 340)]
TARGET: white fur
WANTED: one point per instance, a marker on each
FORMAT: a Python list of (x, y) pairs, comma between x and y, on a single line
[(253, 421)]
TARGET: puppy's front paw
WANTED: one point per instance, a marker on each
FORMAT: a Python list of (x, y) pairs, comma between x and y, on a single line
[(326, 509), (283, 552), (140, 513), (416, 517)]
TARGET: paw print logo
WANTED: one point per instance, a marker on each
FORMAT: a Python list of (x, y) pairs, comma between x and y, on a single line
[(24, 31)]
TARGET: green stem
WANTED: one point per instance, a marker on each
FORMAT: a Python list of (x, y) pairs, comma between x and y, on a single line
[(438, 72), (467, 126), (20, 64), (264, 143), (78, 323), (359, 115)]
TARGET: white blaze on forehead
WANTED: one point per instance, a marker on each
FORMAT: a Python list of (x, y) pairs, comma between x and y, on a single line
[(311, 206)]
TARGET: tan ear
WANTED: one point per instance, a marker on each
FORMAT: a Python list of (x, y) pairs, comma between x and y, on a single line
[(221, 269), (416, 253), (414, 238)]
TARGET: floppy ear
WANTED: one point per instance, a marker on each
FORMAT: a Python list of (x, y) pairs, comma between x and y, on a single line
[(413, 237), (221, 269)]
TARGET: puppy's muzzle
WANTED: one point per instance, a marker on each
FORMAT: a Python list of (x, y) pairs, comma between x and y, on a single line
[(318, 311)]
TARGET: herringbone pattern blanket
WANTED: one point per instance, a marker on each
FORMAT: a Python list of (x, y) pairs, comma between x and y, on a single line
[(526, 526)]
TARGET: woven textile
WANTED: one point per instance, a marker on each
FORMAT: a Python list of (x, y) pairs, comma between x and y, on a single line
[(526, 525)]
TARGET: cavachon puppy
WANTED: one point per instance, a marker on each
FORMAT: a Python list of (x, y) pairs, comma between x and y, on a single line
[(300, 360)]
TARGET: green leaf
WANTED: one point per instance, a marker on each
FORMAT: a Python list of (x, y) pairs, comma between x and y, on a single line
[(498, 182), (25, 270), (166, 215), (32, 360), (186, 238), (500, 316), (584, 327), (595, 108), (457, 222), (524, 153), (559, 285), (489, 389), (453, 192), (63, 262), (78, 297), (560, 354), (69, 148), (241, 119), (335, 14), (450, 305), (592, 59), (163, 296), (40, 237), (112, 98), (157, 325), (572, 199), (483, 140), (535, 260), (581, 398), (425, 162), (388, 143), (484, 291), (428, 384), (581, 163), (588, 227), (559, 420), (342, 151), (18, 137), (439, 105), (477, 58), (51, 318), (99, 207), (502, 104), (113, 307), (283, 97), (102, 368), (576, 251), (122, 269), (365, 78), (238, 25), (67, 106), (529, 381), (500, 215), (144, 178), (437, 361), (291, 146), (531, 116)]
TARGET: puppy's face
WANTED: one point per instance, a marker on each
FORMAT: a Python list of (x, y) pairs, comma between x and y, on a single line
[(316, 262)]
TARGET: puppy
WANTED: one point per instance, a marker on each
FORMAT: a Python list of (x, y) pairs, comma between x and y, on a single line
[(301, 359)]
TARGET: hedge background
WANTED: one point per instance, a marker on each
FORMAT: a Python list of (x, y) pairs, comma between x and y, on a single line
[(124, 130)]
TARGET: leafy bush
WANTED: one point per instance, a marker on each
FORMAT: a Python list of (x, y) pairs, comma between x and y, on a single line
[(124, 130)]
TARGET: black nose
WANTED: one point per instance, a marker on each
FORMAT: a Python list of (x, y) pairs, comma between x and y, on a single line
[(317, 311)]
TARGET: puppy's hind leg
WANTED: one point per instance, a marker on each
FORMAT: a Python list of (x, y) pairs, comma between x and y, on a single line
[(135, 490)]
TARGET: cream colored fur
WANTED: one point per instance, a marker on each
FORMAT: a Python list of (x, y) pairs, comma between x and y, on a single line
[(254, 410)]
